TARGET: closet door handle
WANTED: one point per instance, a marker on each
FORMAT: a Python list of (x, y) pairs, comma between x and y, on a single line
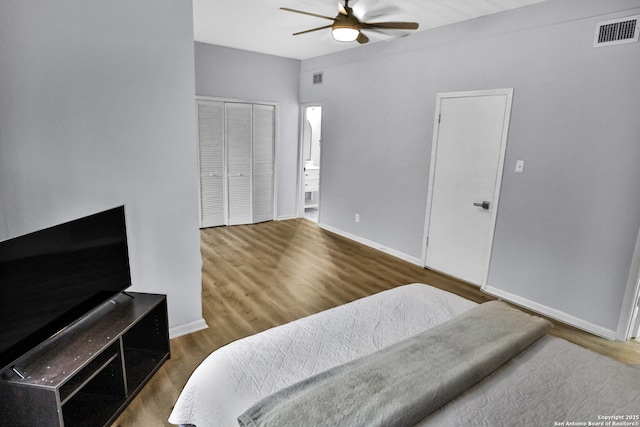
[(484, 205)]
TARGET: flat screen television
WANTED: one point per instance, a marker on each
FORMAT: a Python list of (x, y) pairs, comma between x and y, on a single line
[(50, 278)]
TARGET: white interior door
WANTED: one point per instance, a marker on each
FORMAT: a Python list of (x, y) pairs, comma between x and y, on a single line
[(470, 135), (210, 117)]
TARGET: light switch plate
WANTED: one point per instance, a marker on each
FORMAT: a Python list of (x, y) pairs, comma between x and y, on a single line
[(519, 166)]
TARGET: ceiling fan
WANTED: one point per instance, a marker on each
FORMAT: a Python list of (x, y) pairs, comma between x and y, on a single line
[(346, 27)]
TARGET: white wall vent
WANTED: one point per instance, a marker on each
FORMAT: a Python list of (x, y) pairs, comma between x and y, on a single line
[(617, 31), (317, 78)]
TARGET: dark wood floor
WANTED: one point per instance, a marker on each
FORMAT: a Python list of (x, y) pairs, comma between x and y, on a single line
[(263, 275)]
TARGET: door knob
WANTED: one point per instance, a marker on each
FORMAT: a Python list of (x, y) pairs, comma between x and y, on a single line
[(484, 205)]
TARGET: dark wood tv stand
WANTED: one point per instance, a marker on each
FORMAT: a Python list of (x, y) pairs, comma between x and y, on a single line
[(88, 373)]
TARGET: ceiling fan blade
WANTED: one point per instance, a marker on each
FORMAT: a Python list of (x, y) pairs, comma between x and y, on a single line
[(378, 13), (381, 31), (306, 13), (362, 39), (390, 25), (313, 29)]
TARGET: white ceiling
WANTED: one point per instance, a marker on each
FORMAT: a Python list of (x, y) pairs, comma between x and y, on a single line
[(260, 25)]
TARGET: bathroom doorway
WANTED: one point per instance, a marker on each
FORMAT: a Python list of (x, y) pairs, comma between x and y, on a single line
[(310, 143)]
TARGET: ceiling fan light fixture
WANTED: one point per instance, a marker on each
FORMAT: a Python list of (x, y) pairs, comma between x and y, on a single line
[(346, 26), (344, 33)]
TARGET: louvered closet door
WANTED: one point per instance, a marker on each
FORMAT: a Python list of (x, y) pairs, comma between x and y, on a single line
[(263, 145), (211, 156), (239, 134)]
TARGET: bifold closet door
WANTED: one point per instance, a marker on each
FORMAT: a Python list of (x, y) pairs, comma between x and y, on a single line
[(263, 160), (237, 153), (239, 132), (210, 117)]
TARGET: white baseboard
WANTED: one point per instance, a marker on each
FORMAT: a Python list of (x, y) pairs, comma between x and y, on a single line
[(187, 328), (286, 217), (553, 313), (374, 245)]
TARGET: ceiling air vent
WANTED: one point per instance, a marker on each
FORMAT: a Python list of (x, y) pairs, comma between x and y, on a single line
[(617, 31), (317, 78)]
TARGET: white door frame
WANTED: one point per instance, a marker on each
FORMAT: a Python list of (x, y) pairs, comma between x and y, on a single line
[(300, 186), (508, 92), (629, 319)]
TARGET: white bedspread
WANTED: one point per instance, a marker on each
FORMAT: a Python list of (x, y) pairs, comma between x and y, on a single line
[(236, 376)]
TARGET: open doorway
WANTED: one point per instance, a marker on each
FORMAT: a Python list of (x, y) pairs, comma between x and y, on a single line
[(310, 142)]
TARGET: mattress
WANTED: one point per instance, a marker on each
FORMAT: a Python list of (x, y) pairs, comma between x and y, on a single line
[(552, 382), (241, 373)]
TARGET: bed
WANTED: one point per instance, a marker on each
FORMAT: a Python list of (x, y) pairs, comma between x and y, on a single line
[(551, 382)]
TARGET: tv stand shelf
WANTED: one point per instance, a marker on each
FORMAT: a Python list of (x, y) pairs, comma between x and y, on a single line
[(88, 373)]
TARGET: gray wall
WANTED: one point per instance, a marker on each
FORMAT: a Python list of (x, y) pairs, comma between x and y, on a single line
[(232, 73), (96, 111), (567, 226)]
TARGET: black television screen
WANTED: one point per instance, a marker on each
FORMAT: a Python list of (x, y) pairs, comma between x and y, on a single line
[(52, 277)]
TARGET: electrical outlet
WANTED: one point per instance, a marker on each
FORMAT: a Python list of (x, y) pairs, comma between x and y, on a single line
[(357, 217)]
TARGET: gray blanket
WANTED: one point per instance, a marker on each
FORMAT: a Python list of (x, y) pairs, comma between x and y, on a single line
[(403, 383), (553, 382)]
